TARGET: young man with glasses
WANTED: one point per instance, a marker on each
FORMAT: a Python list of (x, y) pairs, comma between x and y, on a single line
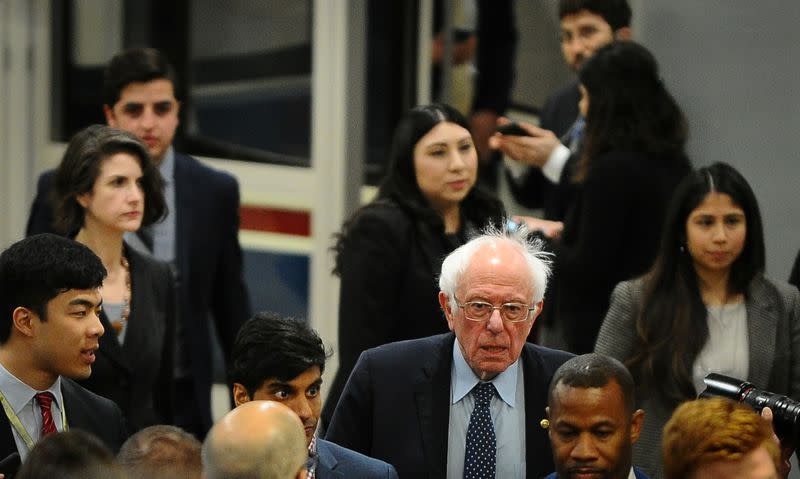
[(466, 403)]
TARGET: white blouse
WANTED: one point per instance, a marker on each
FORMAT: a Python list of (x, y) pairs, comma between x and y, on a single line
[(726, 351)]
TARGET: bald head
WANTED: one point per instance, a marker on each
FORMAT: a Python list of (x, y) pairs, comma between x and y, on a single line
[(257, 440)]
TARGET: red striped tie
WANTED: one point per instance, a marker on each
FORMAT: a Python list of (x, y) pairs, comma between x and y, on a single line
[(45, 401)]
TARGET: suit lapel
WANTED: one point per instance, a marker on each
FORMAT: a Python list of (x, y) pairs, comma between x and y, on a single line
[(327, 462), (433, 407), (762, 319), (538, 455), (109, 345), (184, 198), (77, 415), (7, 443), (144, 314)]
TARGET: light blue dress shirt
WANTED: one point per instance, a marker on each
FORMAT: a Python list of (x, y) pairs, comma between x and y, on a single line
[(20, 397), (508, 416)]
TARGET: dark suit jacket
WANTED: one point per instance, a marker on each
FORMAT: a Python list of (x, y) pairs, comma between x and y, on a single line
[(794, 277), (396, 406), (534, 190), (338, 462), (86, 411), (773, 325), (208, 261), (137, 375)]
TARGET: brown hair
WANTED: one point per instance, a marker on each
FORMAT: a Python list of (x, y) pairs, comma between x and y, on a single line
[(80, 167), (710, 430)]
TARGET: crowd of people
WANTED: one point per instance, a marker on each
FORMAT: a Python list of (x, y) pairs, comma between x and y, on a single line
[(645, 275)]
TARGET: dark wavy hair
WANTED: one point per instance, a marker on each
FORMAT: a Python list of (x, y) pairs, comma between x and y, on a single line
[(400, 187), (671, 327), (80, 168), (630, 109), (271, 346), (617, 13)]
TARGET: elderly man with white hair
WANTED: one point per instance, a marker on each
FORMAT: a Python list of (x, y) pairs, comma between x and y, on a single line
[(467, 403)]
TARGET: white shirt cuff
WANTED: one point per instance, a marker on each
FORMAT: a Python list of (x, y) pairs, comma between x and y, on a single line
[(555, 163)]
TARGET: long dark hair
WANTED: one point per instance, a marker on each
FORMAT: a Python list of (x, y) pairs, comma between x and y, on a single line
[(629, 107), (400, 187), (671, 327)]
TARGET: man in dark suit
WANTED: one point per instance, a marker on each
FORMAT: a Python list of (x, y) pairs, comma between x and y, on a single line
[(592, 419), (281, 359), (49, 329), (199, 235), (549, 152), (430, 406)]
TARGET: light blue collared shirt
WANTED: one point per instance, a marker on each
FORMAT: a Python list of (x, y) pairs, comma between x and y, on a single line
[(508, 416), (20, 397)]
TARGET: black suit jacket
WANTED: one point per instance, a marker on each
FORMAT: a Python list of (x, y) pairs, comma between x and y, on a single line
[(208, 262), (86, 411), (395, 406), (534, 190), (137, 375)]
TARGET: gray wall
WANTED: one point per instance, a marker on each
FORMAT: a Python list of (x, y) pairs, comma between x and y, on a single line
[(733, 66)]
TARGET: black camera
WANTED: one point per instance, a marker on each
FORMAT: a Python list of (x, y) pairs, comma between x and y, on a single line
[(785, 411)]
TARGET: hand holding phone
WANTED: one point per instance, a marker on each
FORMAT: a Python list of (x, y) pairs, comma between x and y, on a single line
[(512, 129)]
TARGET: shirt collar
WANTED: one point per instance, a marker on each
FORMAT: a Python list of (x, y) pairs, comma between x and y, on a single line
[(167, 166), (18, 394), (465, 379)]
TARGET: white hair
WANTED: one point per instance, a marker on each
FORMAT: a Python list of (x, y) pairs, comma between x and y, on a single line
[(538, 260)]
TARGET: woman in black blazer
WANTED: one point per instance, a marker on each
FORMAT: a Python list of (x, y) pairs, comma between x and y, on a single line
[(389, 252), (107, 186), (631, 160)]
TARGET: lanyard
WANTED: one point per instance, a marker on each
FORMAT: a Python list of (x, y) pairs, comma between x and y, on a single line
[(17, 424)]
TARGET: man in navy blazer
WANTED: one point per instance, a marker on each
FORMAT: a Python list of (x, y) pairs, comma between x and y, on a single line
[(49, 329), (592, 419), (281, 359), (199, 236), (412, 403)]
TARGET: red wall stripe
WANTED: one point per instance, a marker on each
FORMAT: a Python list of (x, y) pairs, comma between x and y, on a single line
[(274, 220)]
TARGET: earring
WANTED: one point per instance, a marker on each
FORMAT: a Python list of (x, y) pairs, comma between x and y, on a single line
[(683, 250)]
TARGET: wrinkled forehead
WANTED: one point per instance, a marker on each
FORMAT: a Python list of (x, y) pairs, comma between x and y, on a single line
[(497, 264)]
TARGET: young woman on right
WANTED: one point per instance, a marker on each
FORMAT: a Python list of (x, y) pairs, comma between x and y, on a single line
[(704, 307)]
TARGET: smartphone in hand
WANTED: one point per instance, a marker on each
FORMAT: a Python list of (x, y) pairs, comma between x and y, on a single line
[(512, 129)]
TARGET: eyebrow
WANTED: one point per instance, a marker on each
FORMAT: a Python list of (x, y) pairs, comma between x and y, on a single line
[(85, 302), (445, 143)]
